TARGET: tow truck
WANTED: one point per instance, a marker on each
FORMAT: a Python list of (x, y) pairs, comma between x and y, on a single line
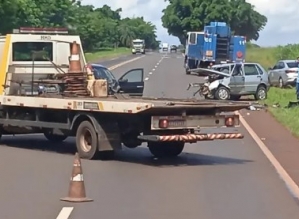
[(48, 88)]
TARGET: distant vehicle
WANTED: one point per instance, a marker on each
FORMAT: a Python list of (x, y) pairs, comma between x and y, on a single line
[(214, 45), (131, 82), (283, 73), (173, 48), (165, 47), (138, 46), (233, 80)]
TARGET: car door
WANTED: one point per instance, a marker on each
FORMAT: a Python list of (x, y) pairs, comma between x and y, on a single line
[(132, 82), (252, 78), (274, 74), (237, 80)]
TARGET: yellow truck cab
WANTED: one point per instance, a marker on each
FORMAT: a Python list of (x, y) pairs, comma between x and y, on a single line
[(34, 52)]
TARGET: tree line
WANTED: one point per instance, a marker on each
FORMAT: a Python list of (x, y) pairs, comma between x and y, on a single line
[(181, 16), (97, 27)]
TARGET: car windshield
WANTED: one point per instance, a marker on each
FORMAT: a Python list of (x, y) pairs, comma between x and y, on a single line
[(103, 73), (292, 64)]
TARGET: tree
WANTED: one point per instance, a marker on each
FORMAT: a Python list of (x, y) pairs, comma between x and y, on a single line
[(181, 16), (98, 28)]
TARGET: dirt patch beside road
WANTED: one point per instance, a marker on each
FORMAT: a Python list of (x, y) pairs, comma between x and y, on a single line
[(282, 144)]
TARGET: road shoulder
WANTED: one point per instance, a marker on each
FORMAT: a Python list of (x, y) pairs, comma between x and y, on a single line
[(282, 144)]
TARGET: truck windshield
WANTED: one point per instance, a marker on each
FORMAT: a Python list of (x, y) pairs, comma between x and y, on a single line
[(137, 43)]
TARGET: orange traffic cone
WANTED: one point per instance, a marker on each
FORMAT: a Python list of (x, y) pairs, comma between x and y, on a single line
[(75, 65), (77, 188)]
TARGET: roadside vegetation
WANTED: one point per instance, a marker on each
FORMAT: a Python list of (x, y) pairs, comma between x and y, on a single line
[(106, 53), (99, 28), (278, 98)]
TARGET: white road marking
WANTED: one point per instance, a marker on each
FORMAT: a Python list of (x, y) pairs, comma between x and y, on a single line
[(153, 69), (150, 73), (146, 79), (291, 185), (125, 62), (65, 213)]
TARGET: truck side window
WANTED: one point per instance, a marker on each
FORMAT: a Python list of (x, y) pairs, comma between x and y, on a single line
[(192, 38), (250, 70), (22, 51)]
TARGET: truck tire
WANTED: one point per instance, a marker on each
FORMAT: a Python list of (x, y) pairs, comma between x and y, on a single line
[(166, 149), (87, 141), (55, 138)]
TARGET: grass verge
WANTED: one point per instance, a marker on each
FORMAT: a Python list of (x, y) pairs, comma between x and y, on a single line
[(286, 116), (106, 53)]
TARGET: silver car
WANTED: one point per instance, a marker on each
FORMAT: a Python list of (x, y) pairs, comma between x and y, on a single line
[(283, 73), (233, 80)]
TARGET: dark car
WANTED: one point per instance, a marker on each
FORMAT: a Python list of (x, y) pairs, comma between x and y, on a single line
[(173, 48), (131, 82)]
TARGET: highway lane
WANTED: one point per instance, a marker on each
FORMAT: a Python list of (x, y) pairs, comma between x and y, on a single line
[(210, 180), (117, 60)]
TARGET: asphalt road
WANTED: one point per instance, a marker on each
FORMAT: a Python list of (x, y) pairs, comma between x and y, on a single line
[(228, 179)]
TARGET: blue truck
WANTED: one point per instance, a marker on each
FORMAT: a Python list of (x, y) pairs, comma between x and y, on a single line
[(214, 45)]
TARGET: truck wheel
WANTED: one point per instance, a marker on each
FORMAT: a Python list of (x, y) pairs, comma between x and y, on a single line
[(55, 138), (235, 97), (166, 149), (87, 141), (222, 93)]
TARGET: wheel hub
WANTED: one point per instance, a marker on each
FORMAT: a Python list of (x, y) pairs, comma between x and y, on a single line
[(262, 94), (86, 140), (223, 94)]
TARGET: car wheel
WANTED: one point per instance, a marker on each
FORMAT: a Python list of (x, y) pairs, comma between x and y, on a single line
[(280, 83), (222, 93), (261, 93)]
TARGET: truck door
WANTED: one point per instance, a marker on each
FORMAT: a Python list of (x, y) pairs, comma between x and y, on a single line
[(132, 82), (237, 80), (252, 78)]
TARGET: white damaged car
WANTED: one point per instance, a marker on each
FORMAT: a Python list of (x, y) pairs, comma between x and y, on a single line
[(233, 80)]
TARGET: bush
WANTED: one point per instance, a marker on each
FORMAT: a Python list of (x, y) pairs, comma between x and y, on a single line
[(290, 51)]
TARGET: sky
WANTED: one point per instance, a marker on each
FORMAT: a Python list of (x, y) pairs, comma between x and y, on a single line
[(282, 27)]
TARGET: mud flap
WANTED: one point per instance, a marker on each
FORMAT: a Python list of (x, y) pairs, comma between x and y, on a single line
[(109, 138)]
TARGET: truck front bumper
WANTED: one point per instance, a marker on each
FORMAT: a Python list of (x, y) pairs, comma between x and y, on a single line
[(191, 138)]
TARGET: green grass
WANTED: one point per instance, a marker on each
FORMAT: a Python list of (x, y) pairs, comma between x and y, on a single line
[(106, 53), (264, 56), (289, 117)]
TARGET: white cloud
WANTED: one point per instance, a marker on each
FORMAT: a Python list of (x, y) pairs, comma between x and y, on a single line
[(281, 28)]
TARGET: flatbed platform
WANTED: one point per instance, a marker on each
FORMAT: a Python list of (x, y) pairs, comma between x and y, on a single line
[(119, 103)]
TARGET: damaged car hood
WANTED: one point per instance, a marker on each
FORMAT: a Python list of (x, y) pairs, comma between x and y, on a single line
[(209, 72)]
